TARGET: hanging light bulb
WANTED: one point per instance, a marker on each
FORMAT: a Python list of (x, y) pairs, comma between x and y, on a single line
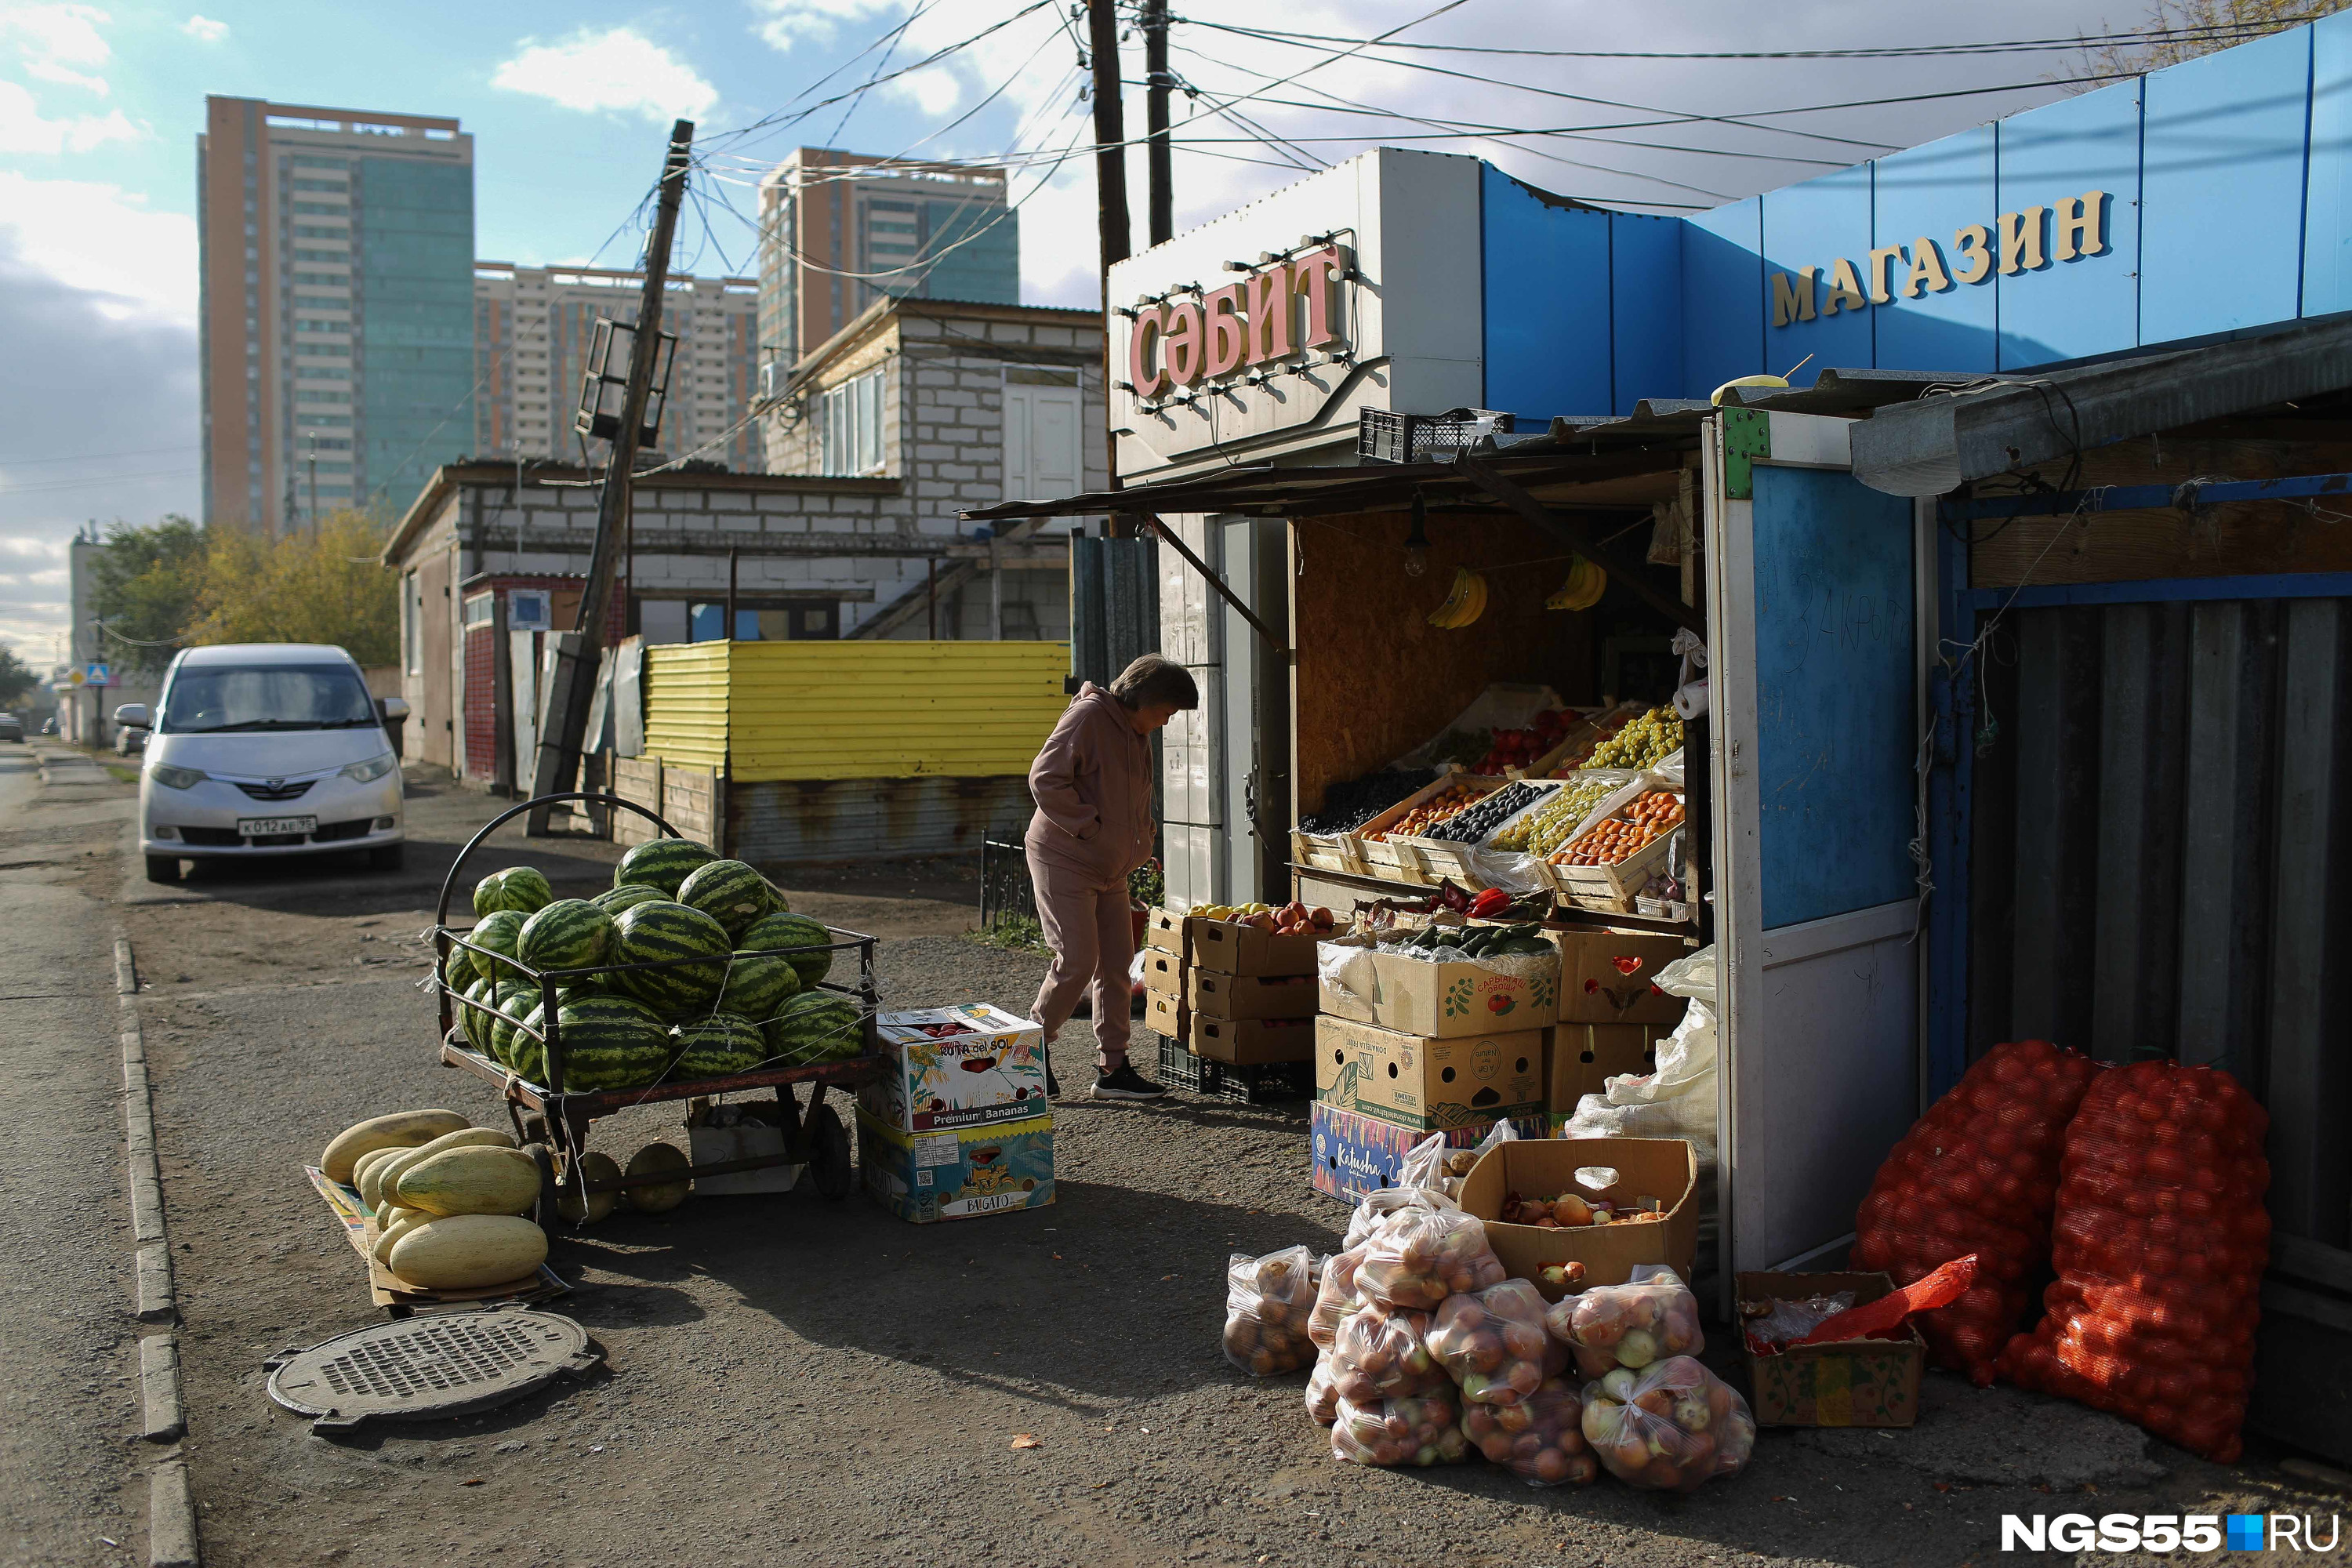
[(1416, 543)]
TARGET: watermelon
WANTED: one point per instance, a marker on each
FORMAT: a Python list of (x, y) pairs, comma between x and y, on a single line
[(610, 1042), (718, 1045), (792, 931), (570, 933), (472, 1020), (518, 888), (661, 929), (527, 1056), (499, 930), (522, 1000), (730, 892), (816, 1027), (758, 984), (662, 863), (458, 970), (612, 901)]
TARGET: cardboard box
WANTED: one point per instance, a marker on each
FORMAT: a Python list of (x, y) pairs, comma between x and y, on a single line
[(1606, 976), (1420, 1083), (958, 1175), (1167, 1015), (1214, 994), (1850, 1383), (1246, 1042), (1585, 1055), (1163, 972), (1666, 1169), (1355, 1154), (1168, 931), (1245, 950), (1442, 1001), (995, 1073)]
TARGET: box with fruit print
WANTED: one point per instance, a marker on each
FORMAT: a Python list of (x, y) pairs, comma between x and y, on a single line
[(1355, 1154), (956, 1067), (1443, 999)]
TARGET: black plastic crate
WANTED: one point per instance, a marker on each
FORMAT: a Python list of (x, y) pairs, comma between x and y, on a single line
[(1259, 1084), (1382, 436)]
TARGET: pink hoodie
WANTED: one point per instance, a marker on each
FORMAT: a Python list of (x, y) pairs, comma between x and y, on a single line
[(1092, 784)]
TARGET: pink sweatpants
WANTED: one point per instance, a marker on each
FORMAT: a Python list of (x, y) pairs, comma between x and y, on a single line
[(1090, 927)]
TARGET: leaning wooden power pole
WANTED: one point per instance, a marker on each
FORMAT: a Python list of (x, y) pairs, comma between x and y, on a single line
[(573, 689), (1110, 190), (1161, 193)]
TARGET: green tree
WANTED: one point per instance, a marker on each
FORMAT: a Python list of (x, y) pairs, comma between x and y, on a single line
[(148, 586), (327, 585), (17, 678), (2212, 24)]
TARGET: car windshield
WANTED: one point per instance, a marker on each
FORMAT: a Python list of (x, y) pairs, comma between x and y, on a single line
[(210, 701)]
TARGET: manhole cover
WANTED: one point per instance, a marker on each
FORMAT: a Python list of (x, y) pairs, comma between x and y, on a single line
[(424, 1367)]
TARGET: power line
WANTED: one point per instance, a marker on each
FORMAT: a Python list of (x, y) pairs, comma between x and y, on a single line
[(100, 456)]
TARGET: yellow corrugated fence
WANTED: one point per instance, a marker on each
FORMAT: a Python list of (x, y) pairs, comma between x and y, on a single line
[(854, 709)]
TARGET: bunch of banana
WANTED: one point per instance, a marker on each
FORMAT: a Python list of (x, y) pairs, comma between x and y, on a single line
[(1586, 583), (1464, 604)]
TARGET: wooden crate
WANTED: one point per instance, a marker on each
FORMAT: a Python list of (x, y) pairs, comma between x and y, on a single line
[(1444, 860), (1399, 861), (1612, 888), (1328, 852)]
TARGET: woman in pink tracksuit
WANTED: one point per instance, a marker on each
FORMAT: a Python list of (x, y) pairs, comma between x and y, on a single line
[(1092, 783)]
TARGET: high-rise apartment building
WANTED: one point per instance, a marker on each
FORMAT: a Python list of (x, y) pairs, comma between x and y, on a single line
[(337, 306), (839, 230), (532, 326)]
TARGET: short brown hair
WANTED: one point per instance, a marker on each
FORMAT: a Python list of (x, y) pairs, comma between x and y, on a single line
[(1152, 679)]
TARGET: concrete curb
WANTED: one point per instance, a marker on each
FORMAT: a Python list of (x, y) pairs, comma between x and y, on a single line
[(171, 1505)]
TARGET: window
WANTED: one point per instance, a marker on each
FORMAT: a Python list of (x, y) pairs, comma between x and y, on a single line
[(767, 620), (849, 426), (208, 699)]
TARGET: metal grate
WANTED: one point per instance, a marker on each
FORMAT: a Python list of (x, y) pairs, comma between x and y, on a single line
[(1005, 886), (424, 1367), (279, 792)]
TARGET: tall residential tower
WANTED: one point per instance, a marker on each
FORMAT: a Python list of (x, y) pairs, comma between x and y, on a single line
[(837, 231), (531, 331), (338, 307)]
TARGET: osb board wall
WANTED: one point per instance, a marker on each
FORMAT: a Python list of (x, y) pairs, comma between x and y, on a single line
[(1373, 679), (2236, 540)]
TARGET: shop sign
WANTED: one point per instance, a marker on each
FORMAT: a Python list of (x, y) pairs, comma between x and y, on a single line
[(2074, 227), (1280, 311)]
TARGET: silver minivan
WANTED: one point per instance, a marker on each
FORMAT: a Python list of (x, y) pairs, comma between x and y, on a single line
[(258, 749)]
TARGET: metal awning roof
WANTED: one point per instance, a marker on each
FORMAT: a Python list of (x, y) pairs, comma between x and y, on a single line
[(1989, 427), (1580, 461)]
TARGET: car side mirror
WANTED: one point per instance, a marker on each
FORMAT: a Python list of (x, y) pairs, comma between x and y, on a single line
[(131, 716), (394, 708)]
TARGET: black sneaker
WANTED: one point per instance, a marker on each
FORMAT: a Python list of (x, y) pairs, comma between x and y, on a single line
[(1126, 1083), (1053, 1084)]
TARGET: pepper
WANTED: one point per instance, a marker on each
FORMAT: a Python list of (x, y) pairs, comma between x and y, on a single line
[(1489, 903)]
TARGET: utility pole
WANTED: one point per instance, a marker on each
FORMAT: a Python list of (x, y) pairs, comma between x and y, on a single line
[(1156, 152), (573, 688), (1111, 191), (314, 485)]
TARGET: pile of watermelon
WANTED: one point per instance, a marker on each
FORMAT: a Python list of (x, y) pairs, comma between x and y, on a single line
[(737, 985)]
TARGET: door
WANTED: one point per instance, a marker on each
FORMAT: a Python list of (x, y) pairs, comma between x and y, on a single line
[(1811, 593), (1043, 429), (436, 718)]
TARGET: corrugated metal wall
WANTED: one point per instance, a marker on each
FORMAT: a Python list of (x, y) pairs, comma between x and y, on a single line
[(2161, 863), (685, 697), (1114, 605)]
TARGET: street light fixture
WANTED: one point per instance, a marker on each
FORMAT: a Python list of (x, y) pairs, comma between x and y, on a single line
[(605, 384)]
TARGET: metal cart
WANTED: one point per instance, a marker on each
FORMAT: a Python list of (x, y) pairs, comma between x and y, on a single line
[(551, 1123)]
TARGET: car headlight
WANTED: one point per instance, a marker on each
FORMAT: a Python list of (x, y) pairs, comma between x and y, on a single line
[(372, 770), (177, 778)]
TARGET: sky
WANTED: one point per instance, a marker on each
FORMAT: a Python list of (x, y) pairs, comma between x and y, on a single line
[(100, 102)]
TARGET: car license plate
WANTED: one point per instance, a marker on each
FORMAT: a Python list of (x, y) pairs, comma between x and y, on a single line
[(270, 827)]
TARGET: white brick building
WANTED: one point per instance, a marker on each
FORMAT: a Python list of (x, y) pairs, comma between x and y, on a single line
[(958, 405)]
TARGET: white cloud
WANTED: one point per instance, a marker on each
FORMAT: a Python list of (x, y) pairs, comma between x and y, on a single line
[(59, 43), (619, 71), (203, 29), (104, 240), (930, 89), (23, 129), (791, 22)]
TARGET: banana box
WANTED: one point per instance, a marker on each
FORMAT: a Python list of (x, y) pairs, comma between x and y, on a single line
[(956, 1175), (956, 1067)]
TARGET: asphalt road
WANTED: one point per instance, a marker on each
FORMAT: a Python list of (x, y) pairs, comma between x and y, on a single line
[(789, 1379), (69, 1351)]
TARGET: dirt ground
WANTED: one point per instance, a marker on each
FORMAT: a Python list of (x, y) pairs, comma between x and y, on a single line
[(787, 1378)]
